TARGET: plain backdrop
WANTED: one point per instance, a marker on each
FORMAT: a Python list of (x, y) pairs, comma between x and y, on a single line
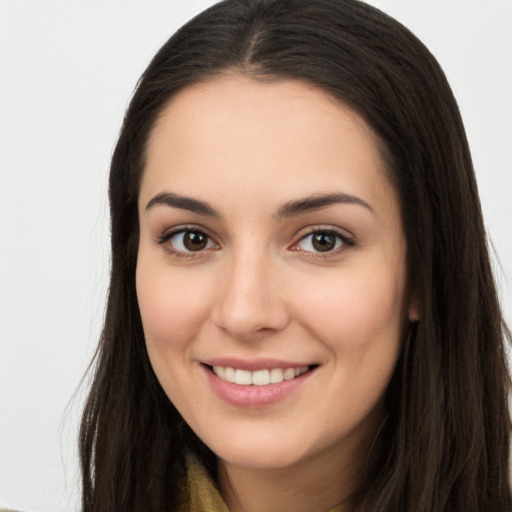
[(67, 70)]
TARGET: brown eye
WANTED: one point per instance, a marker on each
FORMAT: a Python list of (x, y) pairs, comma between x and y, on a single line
[(322, 242), (194, 240), (187, 241)]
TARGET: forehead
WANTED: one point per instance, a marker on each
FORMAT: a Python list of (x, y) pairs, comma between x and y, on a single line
[(283, 137)]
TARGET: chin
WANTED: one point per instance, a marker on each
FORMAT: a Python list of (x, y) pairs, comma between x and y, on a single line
[(258, 453), (258, 459)]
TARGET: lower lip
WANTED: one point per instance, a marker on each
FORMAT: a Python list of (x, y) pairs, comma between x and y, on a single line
[(254, 396)]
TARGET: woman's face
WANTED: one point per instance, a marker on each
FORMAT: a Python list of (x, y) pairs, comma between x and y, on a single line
[(270, 274)]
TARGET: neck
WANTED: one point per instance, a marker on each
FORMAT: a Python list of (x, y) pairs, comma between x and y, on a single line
[(313, 485)]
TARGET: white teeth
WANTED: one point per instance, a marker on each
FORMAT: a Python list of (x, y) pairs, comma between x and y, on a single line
[(289, 374), (261, 378), (276, 375), (243, 377), (258, 377), (301, 370), (220, 371), (229, 374)]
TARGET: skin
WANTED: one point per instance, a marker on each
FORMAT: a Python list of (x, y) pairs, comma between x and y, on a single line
[(260, 289)]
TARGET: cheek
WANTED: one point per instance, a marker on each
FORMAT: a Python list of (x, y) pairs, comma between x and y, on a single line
[(172, 312), (356, 310), (172, 309)]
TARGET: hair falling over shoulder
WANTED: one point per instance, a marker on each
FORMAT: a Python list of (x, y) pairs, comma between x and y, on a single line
[(445, 443)]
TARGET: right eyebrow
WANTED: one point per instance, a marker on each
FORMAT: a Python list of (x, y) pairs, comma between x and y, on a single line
[(183, 202)]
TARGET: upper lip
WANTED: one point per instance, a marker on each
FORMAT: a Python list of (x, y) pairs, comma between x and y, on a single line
[(254, 364)]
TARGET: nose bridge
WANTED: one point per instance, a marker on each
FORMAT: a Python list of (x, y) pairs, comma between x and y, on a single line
[(249, 300)]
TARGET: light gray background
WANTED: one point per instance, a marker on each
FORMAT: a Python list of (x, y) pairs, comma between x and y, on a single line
[(67, 69)]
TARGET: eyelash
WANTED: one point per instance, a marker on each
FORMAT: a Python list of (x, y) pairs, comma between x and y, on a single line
[(163, 239), (342, 239), (345, 242)]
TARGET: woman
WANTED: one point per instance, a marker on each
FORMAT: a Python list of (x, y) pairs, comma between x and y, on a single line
[(302, 314)]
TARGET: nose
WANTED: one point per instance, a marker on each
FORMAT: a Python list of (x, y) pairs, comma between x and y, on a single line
[(250, 301)]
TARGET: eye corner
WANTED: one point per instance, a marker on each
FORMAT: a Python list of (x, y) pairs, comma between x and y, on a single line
[(295, 246)]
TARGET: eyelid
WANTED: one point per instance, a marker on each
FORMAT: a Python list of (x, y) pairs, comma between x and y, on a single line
[(346, 239), (168, 234)]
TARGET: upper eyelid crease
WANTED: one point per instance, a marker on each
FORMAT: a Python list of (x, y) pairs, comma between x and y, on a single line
[(346, 239), (165, 237), (182, 229)]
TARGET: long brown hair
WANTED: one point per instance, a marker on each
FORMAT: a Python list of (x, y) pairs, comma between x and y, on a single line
[(445, 443)]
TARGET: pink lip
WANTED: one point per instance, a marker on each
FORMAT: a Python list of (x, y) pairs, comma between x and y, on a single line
[(255, 396), (253, 365)]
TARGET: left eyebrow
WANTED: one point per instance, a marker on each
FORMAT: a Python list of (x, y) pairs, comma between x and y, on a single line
[(316, 202)]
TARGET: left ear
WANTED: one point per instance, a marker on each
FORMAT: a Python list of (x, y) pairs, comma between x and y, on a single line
[(413, 311)]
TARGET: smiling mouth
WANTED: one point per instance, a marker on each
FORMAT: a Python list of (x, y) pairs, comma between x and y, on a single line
[(259, 377)]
